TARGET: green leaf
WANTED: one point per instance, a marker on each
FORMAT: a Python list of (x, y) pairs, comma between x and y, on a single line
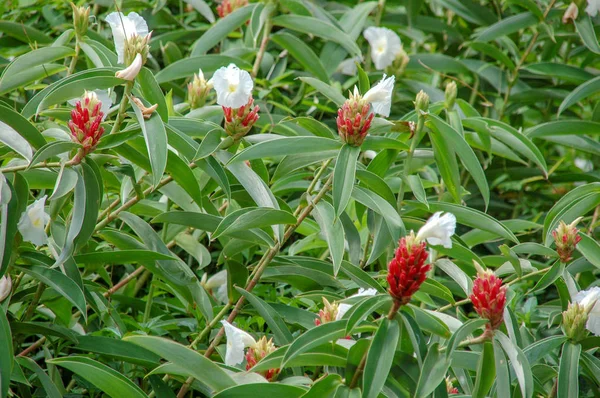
[(445, 158), (22, 126), (464, 152), (118, 349), (550, 277), (268, 389), (507, 26), (585, 28), (151, 92), (314, 337), (328, 91), (486, 371), (187, 67), (380, 357), (249, 218), (344, 176), (155, 136), (302, 53), (518, 362), (47, 384), (433, 371), (6, 354), (590, 249), (568, 372), (581, 92), (220, 30), (24, 33), (333, 230), (361, 310), (106, 379), (201, 368), (120, 257), (286, 146), (59, 282), (317, 27), (52, 149)]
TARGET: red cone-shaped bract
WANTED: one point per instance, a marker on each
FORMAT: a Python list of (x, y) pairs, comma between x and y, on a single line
[(407, 270), (85, 124), (566, 237), (489, 298), (238, 122), (228, 6), (354, 120)]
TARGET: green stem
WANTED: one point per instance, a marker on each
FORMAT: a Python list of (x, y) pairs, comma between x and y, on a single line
[(74, 59), (122, 107), (33, 305), (149, 301), (407, 163), (263, 46)]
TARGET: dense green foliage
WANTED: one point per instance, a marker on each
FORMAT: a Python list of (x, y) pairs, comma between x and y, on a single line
[(117, 286)]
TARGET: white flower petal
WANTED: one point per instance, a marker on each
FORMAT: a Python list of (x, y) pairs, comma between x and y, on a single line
[(233, 86), (237, 341), (33, 221), (585, 298), (380, 95), (385, 46), (348, 66), (124, 27), (438, 230), (132, 70), (593, 7), (217, 280), (5, 287), (343, 307)]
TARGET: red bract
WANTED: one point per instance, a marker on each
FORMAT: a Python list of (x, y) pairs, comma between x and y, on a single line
[(238, 122), (407, 270), (354, 120), (85, 124), (228, 6), (489, 298), (566, 237), (254, 354)]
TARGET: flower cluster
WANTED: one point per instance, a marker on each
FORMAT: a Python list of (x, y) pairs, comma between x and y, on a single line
[(583, 315), (228, 6), (566, 237), (356, 114), (198, 90), (385, 46), (329, 313), (131, 37), (81, 16), (238, 340), (489, 298), (408, 269), (85, 124)]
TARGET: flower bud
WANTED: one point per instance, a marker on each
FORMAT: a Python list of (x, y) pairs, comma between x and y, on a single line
[(574, 321), (566, 238), (450, 95), (570, 14), (198, 90), (450, 389), (489, 297), (228, 6), (408, 269), (5, 287), (399, 65), (257, 352), (422, 103), (85, 124), (81, 16), (328, 313), (137, 44), (239, 121), (131, 72), (354, 119)]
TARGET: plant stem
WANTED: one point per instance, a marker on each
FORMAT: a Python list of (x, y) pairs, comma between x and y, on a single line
[(359, 370), (149, 301), (33, 305), (74, 59), (263, 46), (407, 163), (122, 107)]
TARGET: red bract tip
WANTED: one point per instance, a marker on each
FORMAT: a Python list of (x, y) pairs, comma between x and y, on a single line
[(85, 125), (407, 270), (489, 298)]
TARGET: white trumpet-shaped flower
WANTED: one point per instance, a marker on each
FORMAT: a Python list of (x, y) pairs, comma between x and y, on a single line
[(132, 70), (343, 307), (5, 287), (587, 298), (237, 342), (593, 7), (217, 284), (438, 230), (125, 27), (233, 86), (385, 46), (380, 95), (32, 224)]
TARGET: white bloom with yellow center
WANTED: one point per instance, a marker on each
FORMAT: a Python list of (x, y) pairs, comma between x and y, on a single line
[(438, 230), (125, 27), (233, 86), (32, 224), (385, 46), (237, 342)]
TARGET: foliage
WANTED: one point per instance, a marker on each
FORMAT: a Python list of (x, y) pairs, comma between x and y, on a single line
[(116, 223)]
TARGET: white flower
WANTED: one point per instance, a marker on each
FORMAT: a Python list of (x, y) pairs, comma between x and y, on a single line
[(380, 95), (125, 27), (233, 86), (343, 307), (593, 7), (438, 230), (591, 297), (5, 287), (132, 70), (5, 194), (33, 222), (584, 164), (385, 46), (237, 341), (218, 285)]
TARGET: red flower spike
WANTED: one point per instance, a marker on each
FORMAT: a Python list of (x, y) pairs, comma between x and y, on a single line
[(85, 124), (239, 121), (566, 237), (354, 119), (228, 6), (407, 270), (261, 349), (489, 298)]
